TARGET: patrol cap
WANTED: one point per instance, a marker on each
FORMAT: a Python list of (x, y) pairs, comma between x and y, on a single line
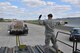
[(50, 15)]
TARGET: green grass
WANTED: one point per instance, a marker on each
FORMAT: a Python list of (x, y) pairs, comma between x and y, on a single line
[(33, 22)]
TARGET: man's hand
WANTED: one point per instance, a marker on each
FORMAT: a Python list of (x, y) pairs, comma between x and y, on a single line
[(40, 16), (63, 23)]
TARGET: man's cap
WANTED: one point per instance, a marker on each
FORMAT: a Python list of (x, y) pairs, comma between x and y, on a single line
[(50, 15)]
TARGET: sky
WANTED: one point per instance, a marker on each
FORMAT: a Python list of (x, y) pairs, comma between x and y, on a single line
[(31, 9)]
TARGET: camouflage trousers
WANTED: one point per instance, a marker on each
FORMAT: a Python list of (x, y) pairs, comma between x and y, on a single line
[(51, 37)]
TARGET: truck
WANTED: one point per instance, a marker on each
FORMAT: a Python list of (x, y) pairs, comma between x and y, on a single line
[(75, 34), (17, 27)]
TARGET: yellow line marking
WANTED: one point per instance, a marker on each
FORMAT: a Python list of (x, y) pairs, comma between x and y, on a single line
[(17, 40)]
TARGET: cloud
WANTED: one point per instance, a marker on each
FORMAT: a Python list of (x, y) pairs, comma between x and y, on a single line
[(8, 10), (54, 9), (7, 6), (76, 14), (37, 3), (11, 0), (74, 2), (58, 10), (50, 3), (34, 3), (49, 7)]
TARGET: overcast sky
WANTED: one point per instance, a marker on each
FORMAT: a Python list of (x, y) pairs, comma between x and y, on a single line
[(31, 9)]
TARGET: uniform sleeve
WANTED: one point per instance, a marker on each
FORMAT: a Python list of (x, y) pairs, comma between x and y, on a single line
[(41, 22), (62, 23), (55, 23), (58, 23)]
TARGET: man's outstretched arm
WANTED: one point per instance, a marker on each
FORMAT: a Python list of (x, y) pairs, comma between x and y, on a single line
[(41, 22), (60, 23)]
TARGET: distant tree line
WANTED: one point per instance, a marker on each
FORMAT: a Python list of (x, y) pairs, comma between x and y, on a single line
[(32, 21), (5, 20)]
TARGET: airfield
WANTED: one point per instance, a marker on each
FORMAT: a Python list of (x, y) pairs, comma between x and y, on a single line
[(34, 37)]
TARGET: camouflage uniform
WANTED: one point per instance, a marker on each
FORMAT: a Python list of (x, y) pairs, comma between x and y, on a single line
[(49, 32)]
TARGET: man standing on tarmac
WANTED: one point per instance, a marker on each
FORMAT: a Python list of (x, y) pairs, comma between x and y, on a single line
[(49, 31)]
